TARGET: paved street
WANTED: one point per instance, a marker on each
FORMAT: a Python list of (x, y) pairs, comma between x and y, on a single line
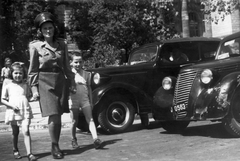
[(201, 141)]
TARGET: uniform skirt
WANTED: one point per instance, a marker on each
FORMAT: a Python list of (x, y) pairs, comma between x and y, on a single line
[(54, 91)]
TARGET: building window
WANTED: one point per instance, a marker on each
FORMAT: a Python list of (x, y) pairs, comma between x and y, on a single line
[(193, 23)]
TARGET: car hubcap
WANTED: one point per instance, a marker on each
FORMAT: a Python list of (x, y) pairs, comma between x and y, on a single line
[(118, 114)]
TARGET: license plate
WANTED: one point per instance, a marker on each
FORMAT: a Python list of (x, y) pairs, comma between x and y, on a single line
[(180, 107)]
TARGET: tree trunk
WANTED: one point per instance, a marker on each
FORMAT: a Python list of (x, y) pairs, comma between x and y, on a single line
[(185, 19)]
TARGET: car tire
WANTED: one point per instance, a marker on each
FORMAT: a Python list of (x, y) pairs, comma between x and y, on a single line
[(175, 126), (116, 115), (232, 121)]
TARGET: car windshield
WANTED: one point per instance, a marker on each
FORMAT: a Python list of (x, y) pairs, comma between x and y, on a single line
[(143, 55), (189, 51), (229, 49)]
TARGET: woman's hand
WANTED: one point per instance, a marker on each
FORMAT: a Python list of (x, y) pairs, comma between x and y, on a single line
[(15, 109), (73, 88)]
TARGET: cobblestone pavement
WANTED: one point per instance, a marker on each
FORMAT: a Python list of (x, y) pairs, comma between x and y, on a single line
[(201, 141), (116, 147), (38, 122)]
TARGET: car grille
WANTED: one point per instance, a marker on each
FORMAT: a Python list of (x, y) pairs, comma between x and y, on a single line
[(182, 90)]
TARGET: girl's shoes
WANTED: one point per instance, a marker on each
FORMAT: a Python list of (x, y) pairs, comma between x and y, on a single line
[(74, 143), (31, 157), (16, 154)]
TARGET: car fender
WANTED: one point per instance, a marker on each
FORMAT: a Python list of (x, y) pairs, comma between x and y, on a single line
[(163, 101), (214, 102), (164, 98), (120, 88)]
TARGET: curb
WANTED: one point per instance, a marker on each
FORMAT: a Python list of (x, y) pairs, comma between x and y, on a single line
[(38, 122), (8, 128), (2, 108)]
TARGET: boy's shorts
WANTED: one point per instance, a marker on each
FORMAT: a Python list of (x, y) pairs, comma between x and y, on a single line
[(80, 99)]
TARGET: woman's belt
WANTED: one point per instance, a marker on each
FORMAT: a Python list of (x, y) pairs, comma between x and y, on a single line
[(54, 70)]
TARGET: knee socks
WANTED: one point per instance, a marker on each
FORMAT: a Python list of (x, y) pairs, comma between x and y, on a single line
[(92, 129)]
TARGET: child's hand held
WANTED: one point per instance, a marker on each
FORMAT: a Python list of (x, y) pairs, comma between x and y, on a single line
[(73, 89), (15, 109), (35, 96)]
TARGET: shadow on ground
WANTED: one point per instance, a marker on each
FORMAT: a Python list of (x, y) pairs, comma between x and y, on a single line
[(214, 130), (81, 149), (135, 127)]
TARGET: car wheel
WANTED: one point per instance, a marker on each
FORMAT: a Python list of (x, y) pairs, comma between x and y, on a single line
[(116, 115), (232, 121), (175, 126)]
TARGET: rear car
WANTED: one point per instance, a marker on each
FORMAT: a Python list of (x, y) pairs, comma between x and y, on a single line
[(120, 93)]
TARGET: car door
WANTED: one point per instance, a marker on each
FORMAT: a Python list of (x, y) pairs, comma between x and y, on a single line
[(143, 62)]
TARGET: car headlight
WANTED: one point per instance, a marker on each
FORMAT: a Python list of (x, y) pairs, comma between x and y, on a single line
[(96, 78), (206, 76), (167, 83)]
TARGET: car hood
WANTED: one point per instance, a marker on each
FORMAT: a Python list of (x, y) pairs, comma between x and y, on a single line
[(122, 69), (214, 64), (135, 68)]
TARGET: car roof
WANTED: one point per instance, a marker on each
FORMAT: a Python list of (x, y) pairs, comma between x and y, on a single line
[(232, 36), (192, 39), (179, 40)]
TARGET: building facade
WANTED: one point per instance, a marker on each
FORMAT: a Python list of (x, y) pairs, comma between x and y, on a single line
[(198, 24)]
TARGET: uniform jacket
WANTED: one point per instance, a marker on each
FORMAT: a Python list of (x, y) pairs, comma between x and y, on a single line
[(44, 57)]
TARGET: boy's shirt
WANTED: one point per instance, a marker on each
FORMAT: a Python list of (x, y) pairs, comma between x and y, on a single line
[(78, 78)]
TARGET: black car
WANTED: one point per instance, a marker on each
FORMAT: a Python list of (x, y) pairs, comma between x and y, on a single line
[(207, 90), (119, 93)]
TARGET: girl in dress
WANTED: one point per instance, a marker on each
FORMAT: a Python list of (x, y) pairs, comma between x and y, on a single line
[(15, 96)]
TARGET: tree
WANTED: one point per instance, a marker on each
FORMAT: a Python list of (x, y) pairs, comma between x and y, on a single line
[(222, 7), (105, 26), (18, 29)]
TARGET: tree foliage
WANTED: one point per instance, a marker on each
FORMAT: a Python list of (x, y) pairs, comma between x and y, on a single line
[(221, 7), (105, 26), (101, 27), (18, 26)]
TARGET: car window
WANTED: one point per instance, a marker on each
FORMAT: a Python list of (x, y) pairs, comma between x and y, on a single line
[(143, 55), (179, 52), (229, 49), (190, 51), (208, 50)]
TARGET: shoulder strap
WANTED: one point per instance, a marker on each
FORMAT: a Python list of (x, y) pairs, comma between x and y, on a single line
[(87, 76)]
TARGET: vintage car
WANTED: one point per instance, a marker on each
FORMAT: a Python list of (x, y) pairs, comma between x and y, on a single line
[(119, 93), (206, 91)]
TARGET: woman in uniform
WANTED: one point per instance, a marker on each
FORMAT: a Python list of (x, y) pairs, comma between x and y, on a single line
[(50, 76)]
